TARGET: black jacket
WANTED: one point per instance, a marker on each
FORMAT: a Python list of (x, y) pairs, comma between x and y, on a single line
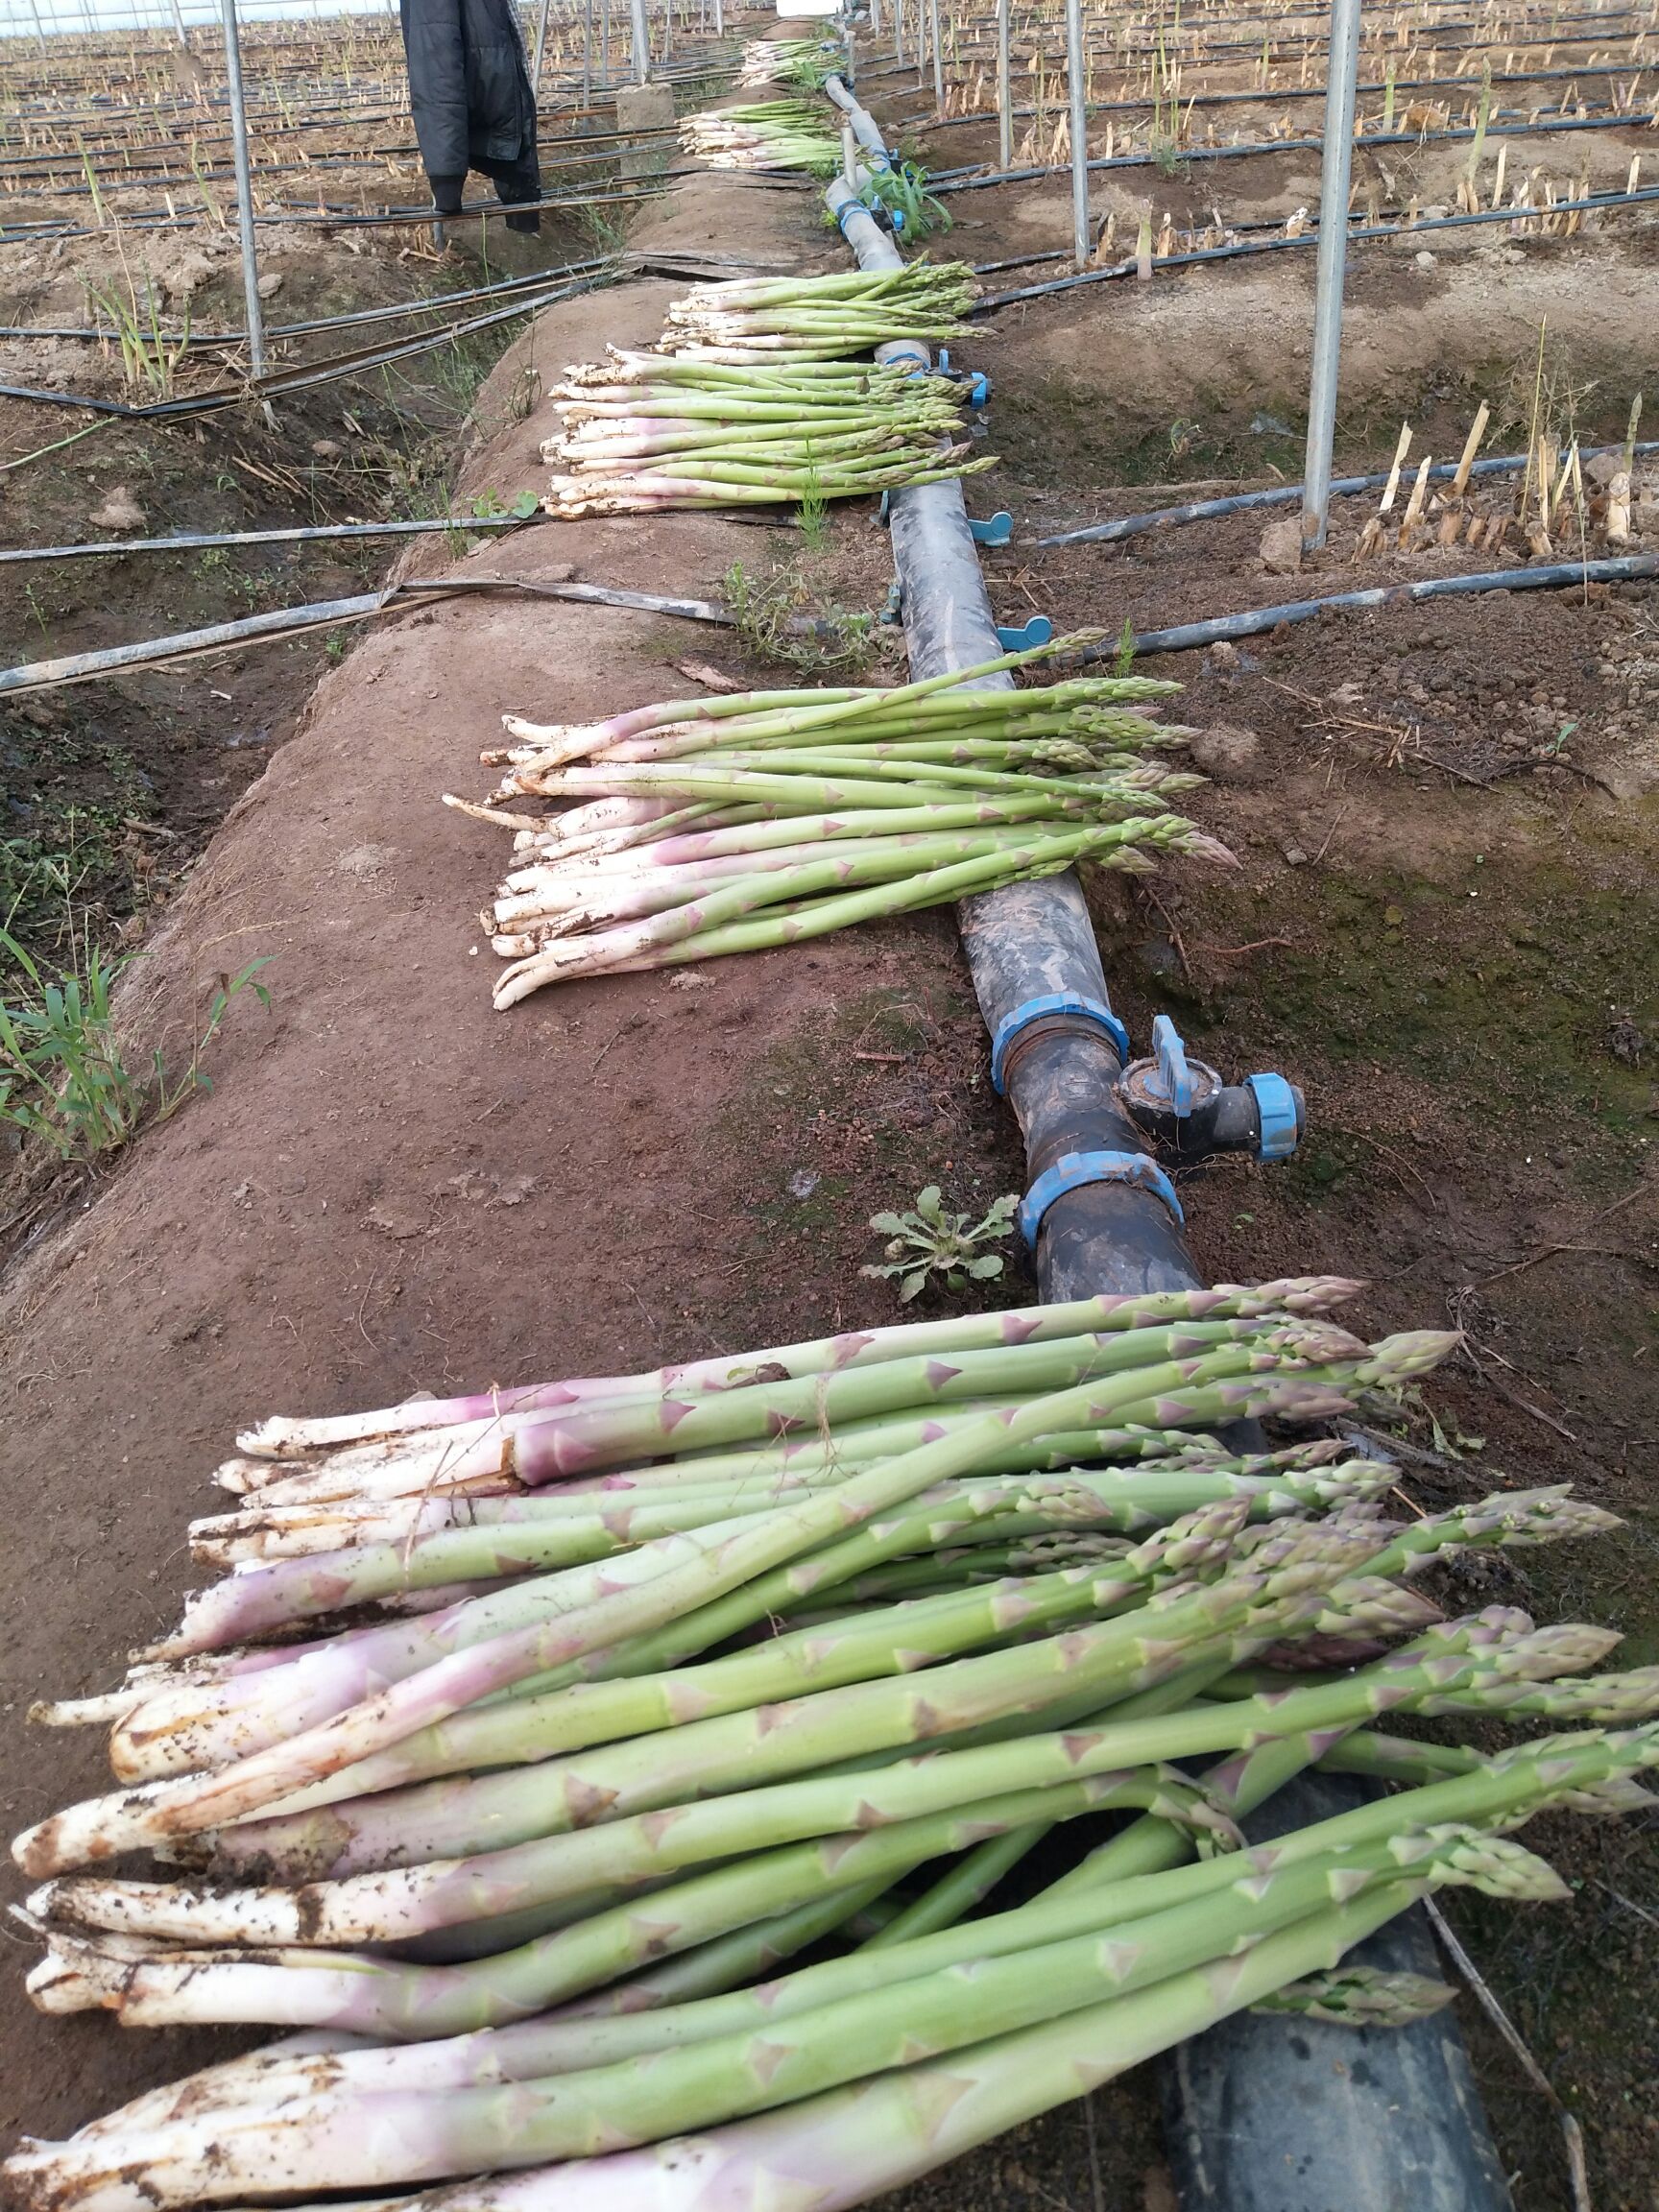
[(469, 86)]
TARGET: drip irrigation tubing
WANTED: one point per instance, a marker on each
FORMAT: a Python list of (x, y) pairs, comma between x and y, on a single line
[(63, 175), (278, 382), (1314, 42), (202, 541), (357, 316), (1288, 495), (396, 218), (1554, 575), (283, 622), (1268, 96), (1361, 234), (964, 182), (24, 163), (1400, 220), (503, 286), (45, 185)]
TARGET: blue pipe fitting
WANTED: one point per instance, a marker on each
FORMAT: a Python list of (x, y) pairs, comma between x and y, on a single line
[(1036, 632), (1072, 1171), (997, 530), (1021, 1017), (1174, 1076), (979, 389), (1279, 1115)]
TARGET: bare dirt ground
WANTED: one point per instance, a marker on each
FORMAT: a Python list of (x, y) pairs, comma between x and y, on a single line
[(1443, 927)]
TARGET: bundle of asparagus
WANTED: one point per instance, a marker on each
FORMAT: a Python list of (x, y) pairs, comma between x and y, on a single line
[(648, 432), (821, 318), (725, 825), (768, 135), (579, 1815), (802, 62)]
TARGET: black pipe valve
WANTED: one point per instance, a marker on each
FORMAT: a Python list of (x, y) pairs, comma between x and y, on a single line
[(1182, 1103)]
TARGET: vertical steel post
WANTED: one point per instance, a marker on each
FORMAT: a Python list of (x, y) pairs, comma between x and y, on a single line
[(243, 193), (1336, 174), (933, 31), (1004, 89), (605, 41), (1077, 79), (719, 18), (641, 42), (178, 25), (587, 53), (875, 31), (541, 49), (899, 34)]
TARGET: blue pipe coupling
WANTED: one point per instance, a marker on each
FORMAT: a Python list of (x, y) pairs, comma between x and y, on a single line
[(1072, 1171), (1054, 1003)]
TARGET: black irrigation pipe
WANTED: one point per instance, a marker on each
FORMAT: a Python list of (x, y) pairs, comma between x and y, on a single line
[(401, 308), (1250, 228), (328, 614), (263, 124), (205, 542), (1599, 204), (72, 184), (1271, 95), (1212, 49), (270, 121), (1556, 575), (1288, 495), (1538, 129), (37, 234), (279, 382), (62, 179)]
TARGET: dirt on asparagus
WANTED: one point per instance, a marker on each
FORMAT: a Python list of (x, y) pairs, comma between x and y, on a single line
[(1443, 926)]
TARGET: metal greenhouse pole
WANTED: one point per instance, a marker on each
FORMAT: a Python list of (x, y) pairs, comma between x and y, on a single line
[(1336, 174)]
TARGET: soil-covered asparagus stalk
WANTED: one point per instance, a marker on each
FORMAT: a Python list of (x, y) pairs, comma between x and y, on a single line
[(764, 134), (485, 1647), (1161, 1488), (899, 798), (1586, 1772), (896, 1640), (925, 301), (665, 1580), (1299, 1295), (539, 1816), (395, 2137), (398, 1829)]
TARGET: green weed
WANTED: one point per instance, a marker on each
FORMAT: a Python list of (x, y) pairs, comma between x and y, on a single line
[(814, 514), (927, 1241), (67, 1082), (766, 611)]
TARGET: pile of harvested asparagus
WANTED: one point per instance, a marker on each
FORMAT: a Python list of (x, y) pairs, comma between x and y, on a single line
[(646, 432), (767, 135), (533, 1734), (802, 62), (822, 318), (730, 824), (752, 399)]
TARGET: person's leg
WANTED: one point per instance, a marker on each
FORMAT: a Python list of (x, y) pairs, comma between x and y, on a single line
[(516, 182)]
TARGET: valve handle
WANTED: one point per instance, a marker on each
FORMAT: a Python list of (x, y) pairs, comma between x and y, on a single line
[(1174, 1076)]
